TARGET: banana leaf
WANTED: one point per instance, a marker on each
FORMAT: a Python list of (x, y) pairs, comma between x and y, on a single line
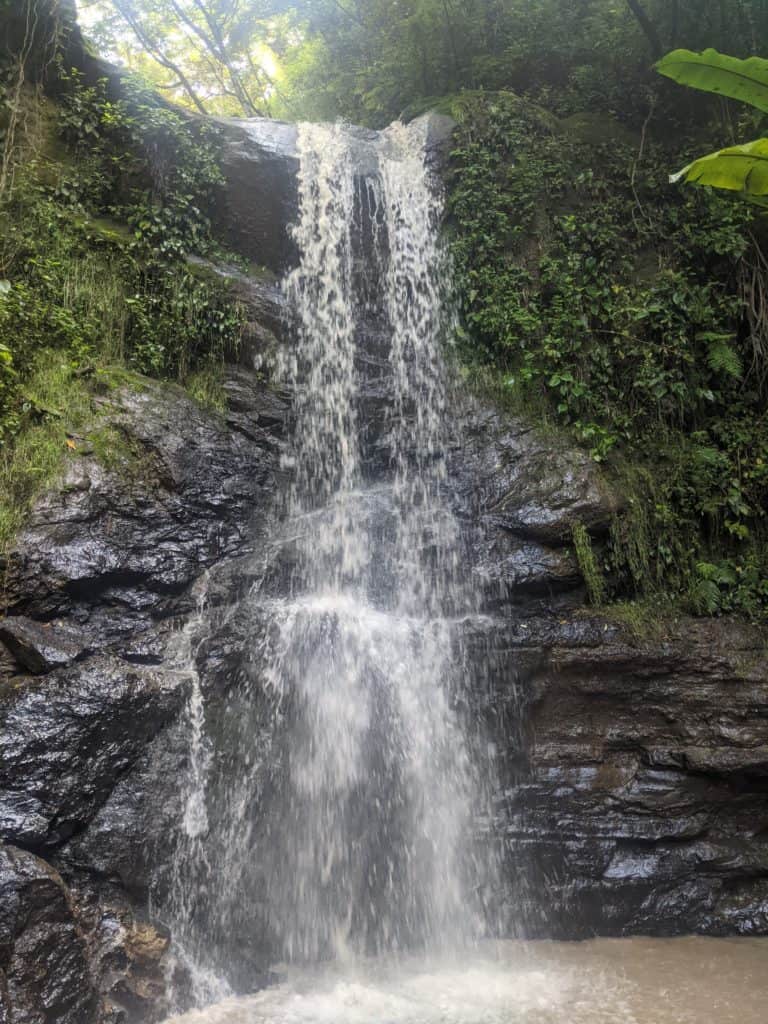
[(738, 168), (745, 80)]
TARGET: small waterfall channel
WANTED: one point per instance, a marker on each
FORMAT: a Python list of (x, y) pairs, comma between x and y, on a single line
[(330, 808)]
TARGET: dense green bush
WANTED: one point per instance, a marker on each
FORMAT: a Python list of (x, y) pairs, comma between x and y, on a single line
[(591, 285)]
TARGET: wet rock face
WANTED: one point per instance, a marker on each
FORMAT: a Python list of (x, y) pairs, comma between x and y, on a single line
[(512, 476), (518, 493), (108, 566), (120, 545), (260, 163), (44, 967), (639, 803), (128, 955), (66, 739)]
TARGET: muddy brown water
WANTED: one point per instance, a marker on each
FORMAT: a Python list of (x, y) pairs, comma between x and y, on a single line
[(603, 981)]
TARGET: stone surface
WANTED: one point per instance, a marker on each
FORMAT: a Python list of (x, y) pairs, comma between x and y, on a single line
[(638, 799), (113, 549), (510, 569), (128, 955), (131, 837), (41, 647), (66, 739), (111, 561), (44, 968), (260, 197), (259, 201), (264, 305), (533, 485)]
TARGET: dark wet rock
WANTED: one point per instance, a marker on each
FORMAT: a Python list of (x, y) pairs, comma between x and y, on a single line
[(128, 955), (44, 968), (260, 197), (438, 129), (131, 837), (115, 548), (262, 417), (41, 647), (510, 474), (264, 304), (510, 569), (259, 200), (641, 800), (67, 738), (111, 561)]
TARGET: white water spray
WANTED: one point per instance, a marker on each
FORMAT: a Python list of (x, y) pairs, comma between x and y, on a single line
[(362, 833)]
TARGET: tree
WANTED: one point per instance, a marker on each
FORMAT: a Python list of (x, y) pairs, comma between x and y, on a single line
[(212, 54)]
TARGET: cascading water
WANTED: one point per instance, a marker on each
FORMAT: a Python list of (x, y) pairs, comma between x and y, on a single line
[(370, 841), (363, 834)]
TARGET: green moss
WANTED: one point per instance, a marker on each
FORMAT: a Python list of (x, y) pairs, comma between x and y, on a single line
[(645, 620), (118, 453), (57, 404), (205, 386), (590, 570)]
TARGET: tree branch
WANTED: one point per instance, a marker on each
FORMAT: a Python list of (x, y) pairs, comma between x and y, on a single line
[(157, 54)]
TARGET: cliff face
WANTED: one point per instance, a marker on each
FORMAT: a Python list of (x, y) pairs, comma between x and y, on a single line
[(639, 802), (96, 587), (633, 775)]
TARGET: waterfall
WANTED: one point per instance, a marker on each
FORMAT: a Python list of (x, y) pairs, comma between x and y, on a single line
[(355, 807)]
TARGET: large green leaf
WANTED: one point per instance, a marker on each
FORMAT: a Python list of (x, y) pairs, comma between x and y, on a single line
[(738, 168), (711, 71)]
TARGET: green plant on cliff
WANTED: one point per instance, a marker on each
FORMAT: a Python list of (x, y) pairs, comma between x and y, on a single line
[(588, 564), (589, 283), (106, 200)]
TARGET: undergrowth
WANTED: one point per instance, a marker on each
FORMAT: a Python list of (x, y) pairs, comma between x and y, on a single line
[(101, 202), (624, 306)]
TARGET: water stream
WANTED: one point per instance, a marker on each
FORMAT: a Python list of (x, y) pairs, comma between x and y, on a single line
[(358, 805)]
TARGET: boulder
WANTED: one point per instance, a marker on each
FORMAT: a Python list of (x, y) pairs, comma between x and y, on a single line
[(40, 647), (67, 738), (537, 486), (44, 968)]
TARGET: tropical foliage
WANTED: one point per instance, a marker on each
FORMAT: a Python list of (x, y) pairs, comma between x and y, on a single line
[(101, 202), (742, 168), (606, 301), (369, 60)]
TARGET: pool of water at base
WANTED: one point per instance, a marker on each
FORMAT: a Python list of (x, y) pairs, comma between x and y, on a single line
[(692, 980)]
